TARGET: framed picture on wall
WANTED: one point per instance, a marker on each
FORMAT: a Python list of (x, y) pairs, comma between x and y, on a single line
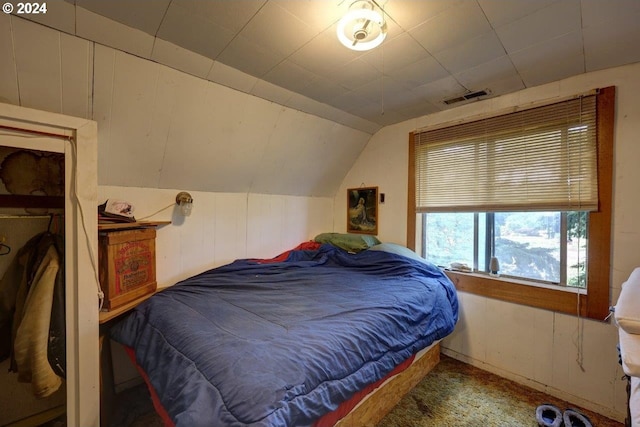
[(362, 210)]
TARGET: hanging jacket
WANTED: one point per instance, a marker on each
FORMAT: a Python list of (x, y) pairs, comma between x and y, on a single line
[(57, 348), (32, 308), (32, 336)]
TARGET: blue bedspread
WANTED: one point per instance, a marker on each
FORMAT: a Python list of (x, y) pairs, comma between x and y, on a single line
[(282, 344)]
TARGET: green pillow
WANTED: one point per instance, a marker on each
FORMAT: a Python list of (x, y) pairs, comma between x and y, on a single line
[(349, 242)]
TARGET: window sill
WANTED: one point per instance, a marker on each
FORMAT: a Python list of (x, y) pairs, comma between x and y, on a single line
[(524, 282), (563, 300)]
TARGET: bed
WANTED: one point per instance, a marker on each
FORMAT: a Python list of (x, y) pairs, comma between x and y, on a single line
[(288, 341)]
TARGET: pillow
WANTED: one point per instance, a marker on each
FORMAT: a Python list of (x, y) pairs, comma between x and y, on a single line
[(398, 250), (348, 242)]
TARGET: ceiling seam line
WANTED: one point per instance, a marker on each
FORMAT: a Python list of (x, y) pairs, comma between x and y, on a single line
[(15, 61), (61, 77), (155, 36), (584, 54), (241, 29), (92, 83), (501, 45), (163, 18)]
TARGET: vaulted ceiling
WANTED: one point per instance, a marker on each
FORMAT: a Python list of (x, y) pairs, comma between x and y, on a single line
[(259, 96), (435, 49)]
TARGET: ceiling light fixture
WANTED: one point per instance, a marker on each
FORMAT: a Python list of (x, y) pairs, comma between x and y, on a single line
[(363, 27)]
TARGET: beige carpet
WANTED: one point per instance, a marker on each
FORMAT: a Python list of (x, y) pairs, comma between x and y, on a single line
[(459, 395)]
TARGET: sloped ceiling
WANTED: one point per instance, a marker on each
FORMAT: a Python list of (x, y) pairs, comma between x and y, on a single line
[(435, 49), (265, 88), (161, 128)]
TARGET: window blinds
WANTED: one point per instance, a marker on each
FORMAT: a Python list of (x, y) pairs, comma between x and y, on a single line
[(544, 158)]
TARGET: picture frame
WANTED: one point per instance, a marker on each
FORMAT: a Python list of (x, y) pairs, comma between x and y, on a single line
[(362, 210)]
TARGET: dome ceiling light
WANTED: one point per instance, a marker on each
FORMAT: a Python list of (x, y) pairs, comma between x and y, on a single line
[(363, 27)]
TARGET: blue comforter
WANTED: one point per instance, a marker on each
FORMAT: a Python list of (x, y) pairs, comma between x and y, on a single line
[(282, 344)]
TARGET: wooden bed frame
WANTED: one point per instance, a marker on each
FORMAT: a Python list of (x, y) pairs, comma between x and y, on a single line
[(383, 399)]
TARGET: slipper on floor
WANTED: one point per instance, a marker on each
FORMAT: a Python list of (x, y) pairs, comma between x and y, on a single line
[(548, 416), (573, 418)]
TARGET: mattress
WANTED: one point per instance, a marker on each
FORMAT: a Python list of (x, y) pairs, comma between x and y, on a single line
[(287, 342)]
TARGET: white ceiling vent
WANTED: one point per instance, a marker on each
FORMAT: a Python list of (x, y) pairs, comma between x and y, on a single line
[(467, 96)]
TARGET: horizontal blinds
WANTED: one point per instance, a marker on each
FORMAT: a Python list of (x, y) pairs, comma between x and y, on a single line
[(544, 158)]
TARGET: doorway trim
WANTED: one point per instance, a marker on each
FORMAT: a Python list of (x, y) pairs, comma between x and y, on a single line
[(80, 139)]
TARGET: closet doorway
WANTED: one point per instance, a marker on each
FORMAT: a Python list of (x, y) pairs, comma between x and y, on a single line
[(32, 285), (53, 159)]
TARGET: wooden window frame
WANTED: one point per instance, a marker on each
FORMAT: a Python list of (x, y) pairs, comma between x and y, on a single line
[(594, 304)]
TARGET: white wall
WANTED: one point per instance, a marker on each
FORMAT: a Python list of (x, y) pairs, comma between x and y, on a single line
[(223, 226), (537, 347), (163, 128)]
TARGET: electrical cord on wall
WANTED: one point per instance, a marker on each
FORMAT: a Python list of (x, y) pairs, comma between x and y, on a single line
[(83, 219), (156, 212), (579, 341)]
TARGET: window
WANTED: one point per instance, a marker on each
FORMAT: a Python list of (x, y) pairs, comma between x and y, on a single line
[(542, 247), (533, 188)]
